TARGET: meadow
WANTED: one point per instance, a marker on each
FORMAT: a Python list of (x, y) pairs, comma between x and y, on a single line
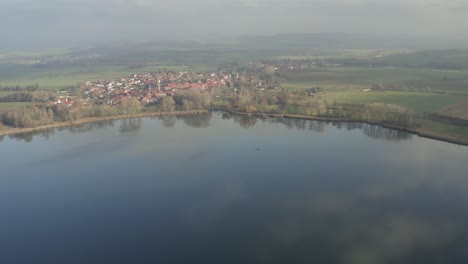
[(4, 107), (409, 79), (419, 102), (444, 128), (63, 78), (422, 90), (5, 93)]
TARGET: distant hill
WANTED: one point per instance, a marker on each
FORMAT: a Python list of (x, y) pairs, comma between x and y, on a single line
[(288, 41), (317, 41), (329, 41), (353, 41)]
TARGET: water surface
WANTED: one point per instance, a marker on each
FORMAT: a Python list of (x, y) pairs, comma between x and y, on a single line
[(231, 189)]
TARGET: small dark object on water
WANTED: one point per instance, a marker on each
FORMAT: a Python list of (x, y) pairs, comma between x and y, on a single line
[(258, 149)]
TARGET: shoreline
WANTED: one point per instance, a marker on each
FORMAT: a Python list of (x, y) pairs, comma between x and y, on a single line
[(15, 131), (419, 132)]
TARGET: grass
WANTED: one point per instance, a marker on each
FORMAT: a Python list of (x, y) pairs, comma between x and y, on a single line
[(418, 86), (14, 106), (416, 101), (454, 58), (445, 129), (23, 57), (59, 79), (338, 54), (5, 93), (340, 78)]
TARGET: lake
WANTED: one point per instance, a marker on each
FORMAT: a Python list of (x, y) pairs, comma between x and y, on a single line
[(231, 189)]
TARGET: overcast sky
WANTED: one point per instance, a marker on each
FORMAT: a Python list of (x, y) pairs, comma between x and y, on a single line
[(62, 22)]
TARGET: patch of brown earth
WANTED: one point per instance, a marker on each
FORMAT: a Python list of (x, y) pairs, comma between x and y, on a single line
[(457, 110)]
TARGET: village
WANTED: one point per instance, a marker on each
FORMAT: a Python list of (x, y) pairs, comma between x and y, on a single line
[(149, 87)]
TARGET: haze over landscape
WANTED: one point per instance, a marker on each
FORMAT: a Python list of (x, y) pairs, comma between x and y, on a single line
[(52, 23)]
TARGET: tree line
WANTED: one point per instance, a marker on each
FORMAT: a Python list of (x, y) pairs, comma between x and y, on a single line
[(42, 114), (312, 102), (30, 88), (29, 117), (28, 96)]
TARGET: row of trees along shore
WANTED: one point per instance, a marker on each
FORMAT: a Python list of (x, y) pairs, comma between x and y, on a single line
[(247, 101), (42, 114), (310, 102)]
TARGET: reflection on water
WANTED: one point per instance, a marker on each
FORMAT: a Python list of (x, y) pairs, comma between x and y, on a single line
[(388, 134), (28, 137), (245, 121), (168, 121), (374, 131), (318, 127), (88, 127), (163, 190), (203, 121), (197, 121), (130, 125)]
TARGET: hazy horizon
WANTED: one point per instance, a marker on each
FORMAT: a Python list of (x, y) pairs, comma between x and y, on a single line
[(53, 23)]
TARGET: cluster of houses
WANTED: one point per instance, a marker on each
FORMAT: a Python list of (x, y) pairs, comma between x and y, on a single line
[(148, 87), (72, 103)]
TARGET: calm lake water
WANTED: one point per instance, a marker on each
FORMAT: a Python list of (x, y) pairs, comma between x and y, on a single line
[(229, 189)]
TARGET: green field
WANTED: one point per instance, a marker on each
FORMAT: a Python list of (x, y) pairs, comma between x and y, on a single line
[(452, 58), (416, 101), (411, 79), (5, 93), (13, 106), (60, 79), (444, 129), (338, 54), (421, 90)]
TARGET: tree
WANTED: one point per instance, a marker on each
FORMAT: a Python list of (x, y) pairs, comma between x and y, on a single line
[(283, 99), (31, 117), (192, 100), (130, 106), (167, 104)]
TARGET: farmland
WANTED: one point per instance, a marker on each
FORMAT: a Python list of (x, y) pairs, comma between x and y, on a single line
[(62, 79), (419, 89), (428, 85), (408, 79), (13, 106), (417, 101)]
